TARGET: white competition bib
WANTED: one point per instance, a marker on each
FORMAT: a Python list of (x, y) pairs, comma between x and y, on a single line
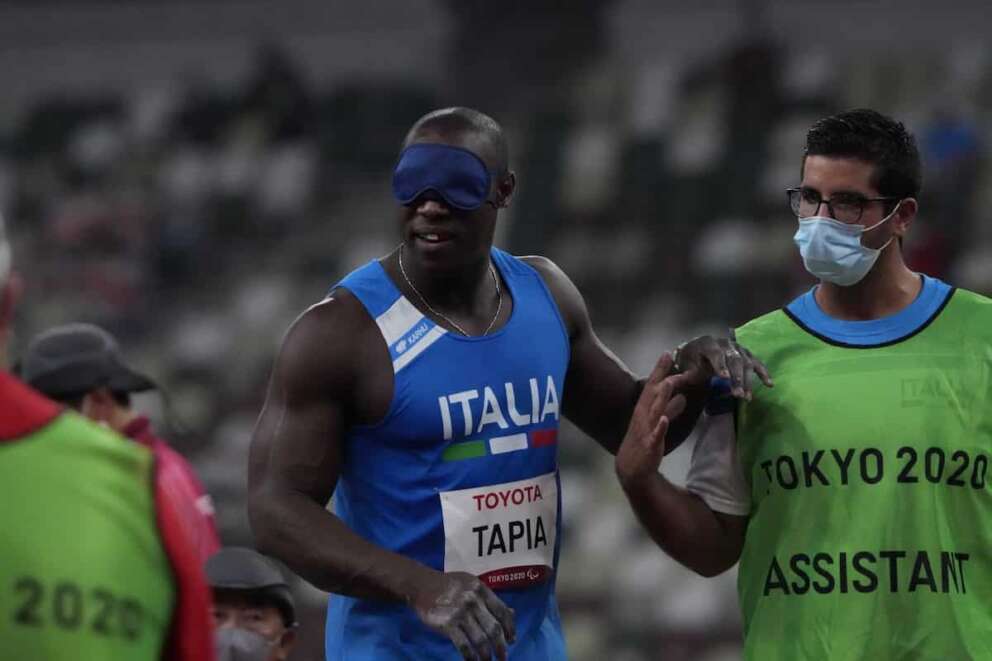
[(502, 533)]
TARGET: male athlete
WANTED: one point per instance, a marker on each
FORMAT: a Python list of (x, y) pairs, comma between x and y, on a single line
[(425, 393), (856, 493), (94, 559)]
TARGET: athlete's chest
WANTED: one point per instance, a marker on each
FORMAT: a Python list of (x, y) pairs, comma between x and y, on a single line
[(462, 391)]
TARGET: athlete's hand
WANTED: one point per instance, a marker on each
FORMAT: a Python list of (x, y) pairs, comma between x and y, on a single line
[(461, 607), (643, 446), (707, 356)]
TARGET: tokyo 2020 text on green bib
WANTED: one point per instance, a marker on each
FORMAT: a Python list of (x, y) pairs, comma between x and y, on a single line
[(83, 572)]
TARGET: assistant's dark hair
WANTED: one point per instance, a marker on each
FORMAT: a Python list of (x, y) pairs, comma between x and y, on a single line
[(872, 137)]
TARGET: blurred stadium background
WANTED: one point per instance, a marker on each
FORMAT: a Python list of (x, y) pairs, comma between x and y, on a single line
[(192, 174)]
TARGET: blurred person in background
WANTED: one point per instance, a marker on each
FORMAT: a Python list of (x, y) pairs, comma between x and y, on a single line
[(856, 493), (81, 366), (425, 394), (254, 612), (95, 562)]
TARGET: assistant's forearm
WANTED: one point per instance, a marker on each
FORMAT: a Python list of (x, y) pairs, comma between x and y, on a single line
[(681, 426), (321, 548), (683, 526)]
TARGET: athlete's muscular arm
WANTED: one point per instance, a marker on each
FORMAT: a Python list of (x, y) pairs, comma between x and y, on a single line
[(296, 458), (319, 387), (680, 522), (601, 391)]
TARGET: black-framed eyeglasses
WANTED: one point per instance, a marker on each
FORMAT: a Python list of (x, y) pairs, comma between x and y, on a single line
[(845, 207)]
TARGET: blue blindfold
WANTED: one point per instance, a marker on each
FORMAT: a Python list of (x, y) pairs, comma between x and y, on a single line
[(457, 175)]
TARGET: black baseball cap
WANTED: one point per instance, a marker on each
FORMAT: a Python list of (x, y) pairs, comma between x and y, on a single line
[(240, 568), (76, 358)]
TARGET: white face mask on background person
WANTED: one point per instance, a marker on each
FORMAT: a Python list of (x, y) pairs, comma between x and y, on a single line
[(832, 250), (232, 644)]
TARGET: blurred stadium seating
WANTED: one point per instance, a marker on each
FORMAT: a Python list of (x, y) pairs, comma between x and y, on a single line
[(192, 181)]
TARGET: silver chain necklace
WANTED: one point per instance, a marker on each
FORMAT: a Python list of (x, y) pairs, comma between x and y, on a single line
[(499, 296)]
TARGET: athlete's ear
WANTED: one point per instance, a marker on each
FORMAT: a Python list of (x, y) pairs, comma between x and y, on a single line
[(505, 188)]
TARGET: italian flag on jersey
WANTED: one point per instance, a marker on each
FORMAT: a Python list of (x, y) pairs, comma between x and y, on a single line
[(500, 444)]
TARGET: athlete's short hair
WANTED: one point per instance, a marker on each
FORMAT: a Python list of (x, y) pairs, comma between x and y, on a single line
[(872, 137), (458, 120)]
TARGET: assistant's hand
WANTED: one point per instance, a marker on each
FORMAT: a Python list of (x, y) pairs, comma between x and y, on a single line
[(707, 356), (460, 606), (644, 443)]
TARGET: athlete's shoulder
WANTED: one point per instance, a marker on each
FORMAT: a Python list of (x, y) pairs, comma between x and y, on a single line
[(543, 265), (553, 275), (339, 313), (370, 271), (567, 297), (326, 329), (528, 265), (330, 347)]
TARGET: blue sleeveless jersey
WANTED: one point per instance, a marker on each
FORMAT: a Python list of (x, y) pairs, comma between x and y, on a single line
[(462, 473)]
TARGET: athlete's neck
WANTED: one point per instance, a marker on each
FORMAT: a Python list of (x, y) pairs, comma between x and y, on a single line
[(889, 287), (467, 290)]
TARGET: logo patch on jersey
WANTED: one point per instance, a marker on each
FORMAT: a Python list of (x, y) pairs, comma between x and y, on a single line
[(503, 533), (407, 332)]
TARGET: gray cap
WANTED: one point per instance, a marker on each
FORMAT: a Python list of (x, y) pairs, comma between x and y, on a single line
[(76, 358), (240, 568)]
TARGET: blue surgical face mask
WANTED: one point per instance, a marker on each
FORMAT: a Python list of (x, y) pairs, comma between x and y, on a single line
[(457, 175), (832, 250)]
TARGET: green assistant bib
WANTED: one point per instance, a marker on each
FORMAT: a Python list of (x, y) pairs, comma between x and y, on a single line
[(870, 534), (83, 574)]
